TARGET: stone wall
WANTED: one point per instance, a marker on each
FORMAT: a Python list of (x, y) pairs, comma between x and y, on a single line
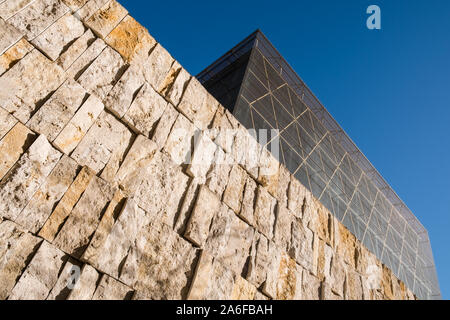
[(93, 177)]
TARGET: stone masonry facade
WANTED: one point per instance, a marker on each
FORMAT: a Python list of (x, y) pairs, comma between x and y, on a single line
[(93, 178)]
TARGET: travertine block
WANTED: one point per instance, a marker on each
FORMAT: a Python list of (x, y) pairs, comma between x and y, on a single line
[(235, 188), (311, 287), (28, 83), (160, 263), (246, 150), (67, 277), (285, 281), (111, 244), (324, 263), (178, 144), (303, 246), (157, 67), (85, 286), (265, 212), (198, 105), (243, 290), (74, 5), (131, 40), (353, 286), (13, 145), (212, 280), (7, 122), (296, 197), (10, 35), (337, 275), (176, 91), (145, 111), (38, 16), (78, 126), (14, 54), (101, 76), (84, 218), (41, 274), (65, 206), (111, 289), (77, 59), (269, 172), (217, 177), (202, 159), (164, 126), (125, 91), (44, 200), (17, 189), (187, 206), (107, 18), (224, 129), (54, 115), (89, 8), (198, 227), (9, 8), (247, 212), (106, 138), (16, 246), (54, 40)]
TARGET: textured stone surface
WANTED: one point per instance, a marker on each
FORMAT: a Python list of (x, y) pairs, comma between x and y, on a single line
[(218, 175), (38, 16), (7, 122), (160, 263), (157, 68), (53, 40), (235, 188), (14, 54), (9, 8), (75, 50), (16, 249), (178, 144), (311, 287), (107, 18), (13, 144), (85, 286), (17, 189), (131, 40), (164, 125), (265, 212), (61, 289), (145, 111), (10, 35), (77, 230), (176, 91), (27, 83), (65, 206), (207, 205), (44, 200), (54, 115), (107, 138), (247, 212), (111, 289), (202, 158), (77, 59), (41, 274), (78, 126), (101, 76), (243, 290)]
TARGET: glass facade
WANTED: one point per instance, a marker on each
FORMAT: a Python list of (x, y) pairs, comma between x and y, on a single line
[(263, 92)]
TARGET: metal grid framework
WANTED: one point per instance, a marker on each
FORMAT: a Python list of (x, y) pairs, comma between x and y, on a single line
[(320, 155)]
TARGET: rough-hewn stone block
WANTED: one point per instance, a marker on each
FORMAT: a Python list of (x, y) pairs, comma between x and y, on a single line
[(107, 18), (202, 159), (178, 144), (243, 290), (247, 212), (75, 50), (217, 177), (10, 35), (7, 122), (14, 54), (176, 91), (77, 59), (85, 286), (9, 8), (17, 189), (111, 289), (265, 212), (157, 67), (164, 126), (67, 277), (235, 188)]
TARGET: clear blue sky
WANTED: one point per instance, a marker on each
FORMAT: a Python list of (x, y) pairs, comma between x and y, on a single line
[(389, 89)]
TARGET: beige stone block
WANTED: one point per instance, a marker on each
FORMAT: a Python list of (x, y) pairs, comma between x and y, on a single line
[(235, 188), (224, 129), (89, 8), (80, 55), (328, 294), (65, 206), (337, 276), (107, 138), (125, 91), (10, 8), (74, 5), (101, 76), (246, 151), (311, 287), (85, 286), (37, 17), (13, 145), (26, 85), (131, 40), (145, 111), (265, 212), (67, 277), (14, 54), (16, 247), (111, 243), (303, 246), (198, 105), (53, 41), (41, 274), (217, 177), (44, 200), (10, 35), (198, 227), (160, 263), (176, 91), (111, 289), (353, 286), (269, 172), (287, 283), (296, 197), (7, 122), (76, 232), (187, 206), (164, 126), (157, 67), (346, 245), (132, 170), (202, 158), (168, 82), (178, 144), (247, 212), (324, 262), (107, 18), (243, 290), (17, 189), (54, 115), (78, 126), (212, 281)]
